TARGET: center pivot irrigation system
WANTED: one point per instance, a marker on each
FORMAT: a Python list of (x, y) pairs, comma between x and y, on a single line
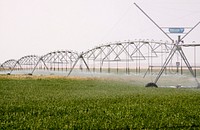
[(177, 46), (137, 57)]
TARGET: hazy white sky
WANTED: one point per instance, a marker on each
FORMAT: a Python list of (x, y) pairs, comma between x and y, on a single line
[(41, 26)]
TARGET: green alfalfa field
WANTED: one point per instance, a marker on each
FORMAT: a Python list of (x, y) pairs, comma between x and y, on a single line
[(91, 103)]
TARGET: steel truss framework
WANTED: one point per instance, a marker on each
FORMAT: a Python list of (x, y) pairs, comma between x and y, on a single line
[(53, 61), (129, 55), (25, 63), (56, 61), (8, 65), (120, 57)]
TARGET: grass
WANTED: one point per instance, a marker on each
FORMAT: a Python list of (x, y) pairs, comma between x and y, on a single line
[(67, 103)]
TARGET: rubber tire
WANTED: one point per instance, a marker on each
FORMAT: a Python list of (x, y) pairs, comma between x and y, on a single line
[(151, 84)]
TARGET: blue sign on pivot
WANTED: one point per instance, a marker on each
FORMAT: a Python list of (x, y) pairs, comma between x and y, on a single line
[(176, 30)]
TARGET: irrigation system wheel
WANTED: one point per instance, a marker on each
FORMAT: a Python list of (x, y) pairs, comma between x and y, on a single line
[(151, 84)]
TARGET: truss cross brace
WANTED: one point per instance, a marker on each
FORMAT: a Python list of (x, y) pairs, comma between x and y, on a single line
[(80, 57)]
